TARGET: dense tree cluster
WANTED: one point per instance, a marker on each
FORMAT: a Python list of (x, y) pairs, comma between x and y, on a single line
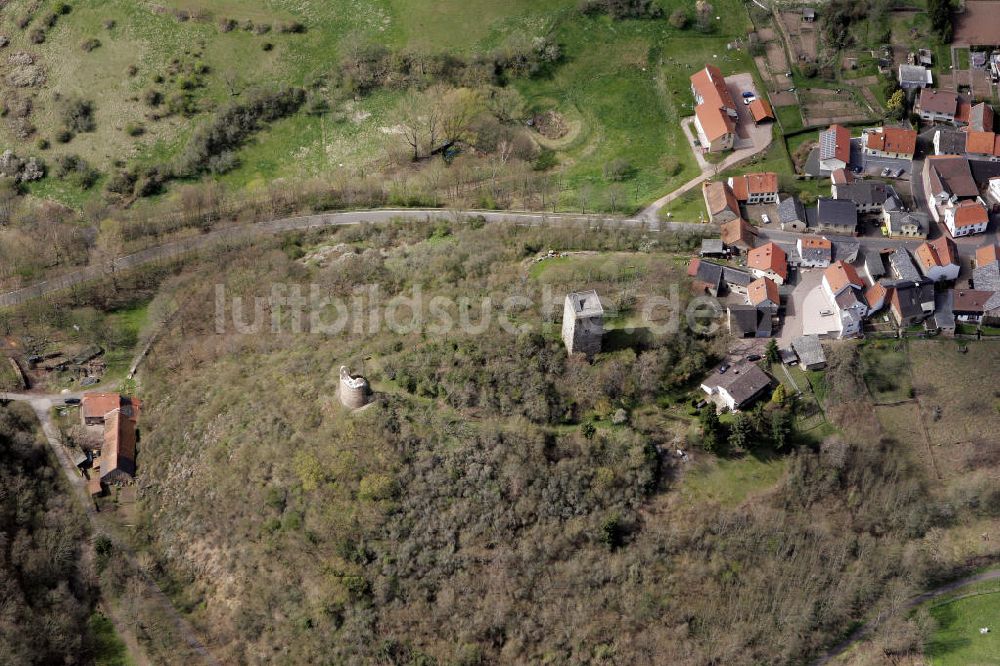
[(623, 9), (47, 595)]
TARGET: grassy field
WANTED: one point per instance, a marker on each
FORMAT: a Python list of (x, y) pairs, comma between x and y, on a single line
[(622, 84), (957, 640), (730, 482), (110, 649), (886, 370)]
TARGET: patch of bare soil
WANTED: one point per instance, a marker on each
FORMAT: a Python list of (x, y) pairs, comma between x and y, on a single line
[(550, 124)]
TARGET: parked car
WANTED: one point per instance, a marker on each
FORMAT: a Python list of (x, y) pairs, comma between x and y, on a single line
[(765, 219), (754, 357), (825, 313), (723, 368), (886, 172), (71, 401), (749, 94)]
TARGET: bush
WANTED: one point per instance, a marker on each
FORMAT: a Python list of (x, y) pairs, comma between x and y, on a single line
[(36, 36), (152, 97), (809, 70), (622, 9), (64, 136), (618, 170), (78, 115), (679, 18), (135, 129), (671, 165), (90, 44), (545, 160)]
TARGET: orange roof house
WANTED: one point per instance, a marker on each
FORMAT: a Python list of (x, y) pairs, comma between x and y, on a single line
[(980, 143), (969, 213), (987, 254), (763, 291), (769, 260), (877, 295), (93, 406), (893, 140), (938, 252), (720, 201), (761, 110), (715, 112), (739, 233), (117, 463), (840, 275), (755, 186)]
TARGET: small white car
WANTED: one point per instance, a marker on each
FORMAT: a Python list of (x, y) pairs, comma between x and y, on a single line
[(765, 219), (825, 313)]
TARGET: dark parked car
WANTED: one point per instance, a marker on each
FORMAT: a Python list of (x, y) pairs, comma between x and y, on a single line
[(72, 401), (723, 368), (754, 357)]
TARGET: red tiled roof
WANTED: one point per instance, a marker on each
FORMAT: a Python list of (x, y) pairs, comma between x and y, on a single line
[(962, 111), (754, 183), (876, 293), (940, 102), (738, 230), (693, 267), (816, 242), (841, 143), (987, 254), (980, 143), (839, 275), (841, 177), (970, 213), (96, 405), (719, 197), (936, 253), (970, 300), (760, 109), (893, 140), (118, 452), (710, 86), (761, 290), (769, 257)]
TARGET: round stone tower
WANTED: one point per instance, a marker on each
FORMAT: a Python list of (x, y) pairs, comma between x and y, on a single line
[(354, 389)]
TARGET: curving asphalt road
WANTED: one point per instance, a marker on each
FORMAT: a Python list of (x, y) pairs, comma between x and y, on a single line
[(178, 248)]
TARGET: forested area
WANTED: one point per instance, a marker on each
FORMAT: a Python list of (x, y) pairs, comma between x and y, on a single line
[(500, 502), (48, 594)]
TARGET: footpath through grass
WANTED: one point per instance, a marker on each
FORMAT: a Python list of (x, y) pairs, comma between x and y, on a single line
[(957, 641)]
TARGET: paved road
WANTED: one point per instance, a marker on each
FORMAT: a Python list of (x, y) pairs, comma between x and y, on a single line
[(42, 406), (175, 249), (865, 629)]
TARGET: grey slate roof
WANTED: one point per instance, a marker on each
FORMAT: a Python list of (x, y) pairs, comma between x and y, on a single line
[(809, 350), (873, 263), (866, 192), (951, 142), (943, 317), (709, 273), (912, 76), (838, 213), (903, 266), (712, 246), (736, 276), (743, 320), (742, 382), (791, 209), (987, 278), (911, 297), (816, 254), (848, 298), (846, 251), (898, 218), (586, 303)]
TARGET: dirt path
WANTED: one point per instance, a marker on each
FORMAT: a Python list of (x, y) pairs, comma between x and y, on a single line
[(865, 629)]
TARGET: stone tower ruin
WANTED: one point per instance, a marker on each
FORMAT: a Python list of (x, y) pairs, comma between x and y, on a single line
[(354, 389), (583, 323)]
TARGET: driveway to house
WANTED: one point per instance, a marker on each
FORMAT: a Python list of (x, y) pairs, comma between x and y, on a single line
[(797, 306)]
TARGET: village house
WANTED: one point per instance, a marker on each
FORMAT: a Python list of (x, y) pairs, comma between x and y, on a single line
[(738, 235), (876, 296), (966, 218), (912, 77), (911, 303), (755, 188), (837, 216), (902, 266), (981, 118), (946, 181), (814, 251), (738, 387), (936, 106), (872, 265), (905, 224), (719, 200), (987, 254), (706, 277), (869, 196), (769, 261), (893, 142), (938, 259), (117, 461), (713, 247), (736, 280), (843, 286), (969, 305), (95, 406), (834, 148), (792, 215), (746, 321), (763, 295), (841, 177), (949, 142), (715, 112), (982, 145)]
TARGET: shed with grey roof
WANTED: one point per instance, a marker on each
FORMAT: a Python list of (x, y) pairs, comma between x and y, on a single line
[(810, 352)]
